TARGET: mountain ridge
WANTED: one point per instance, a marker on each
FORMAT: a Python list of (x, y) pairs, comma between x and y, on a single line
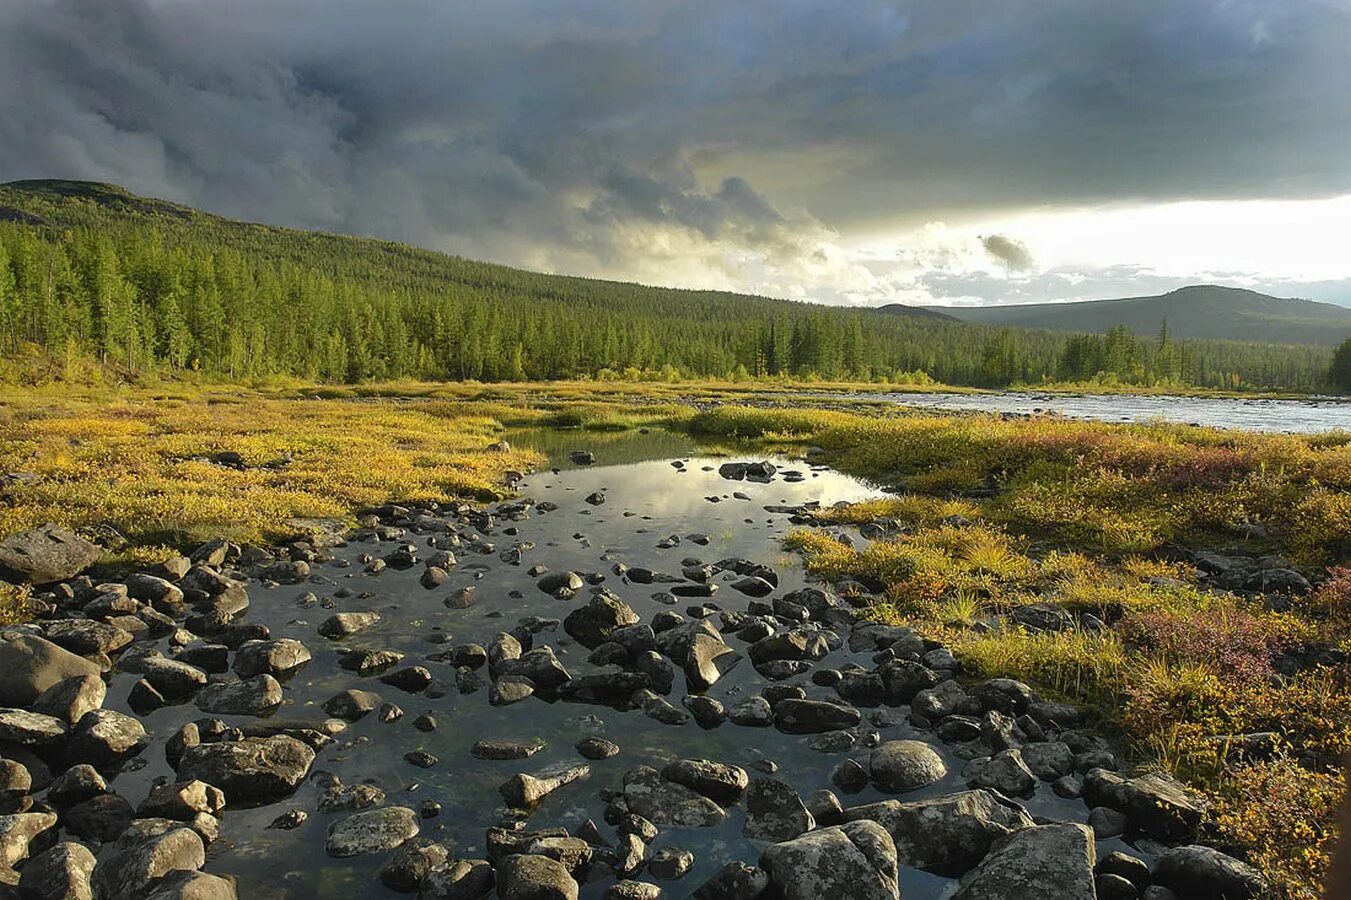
[(1195, 311)]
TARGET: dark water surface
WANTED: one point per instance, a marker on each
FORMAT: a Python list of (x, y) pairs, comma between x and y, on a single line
[(647, 500)]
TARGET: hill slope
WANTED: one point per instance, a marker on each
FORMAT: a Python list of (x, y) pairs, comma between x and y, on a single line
[(90, 270), (1199, 311)]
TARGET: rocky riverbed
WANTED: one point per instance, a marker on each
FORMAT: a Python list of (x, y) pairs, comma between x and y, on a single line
[(617, 685)]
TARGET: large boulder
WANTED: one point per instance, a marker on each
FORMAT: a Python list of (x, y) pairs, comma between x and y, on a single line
[(61, 872), (1154, 803), (593, 624), (947, 834), (856, 860), (30, 664), (254, 769), (148, 850), (46, 554), (1033, 864), (526, 876), (899, 766), (18, 831), (665, 803), (371, 831), (1204, 873)]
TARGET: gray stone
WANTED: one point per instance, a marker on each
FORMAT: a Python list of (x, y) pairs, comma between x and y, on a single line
[(734, 881), (182, 884), (899, 766), (593, 624), (148, 850), (29, 729), (46, 554), (1004, 772), (1204, 873), (103, 737), (666, 803), (775, 812), (254, 769), (524, 876), (19, 830), (459, 879), (274, 657), (371, 831), (719, 782), (1155, 803), (250, 697), (1033, 864), (856, 860), (341, 625), (61, 873), (70, 698), (793, 716), (30, 665), (947, 834), (526, 791)]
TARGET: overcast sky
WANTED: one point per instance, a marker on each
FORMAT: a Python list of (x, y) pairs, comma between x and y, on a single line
[(954, 151)]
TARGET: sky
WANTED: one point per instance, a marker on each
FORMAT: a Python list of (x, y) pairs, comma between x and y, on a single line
[(949, 152)]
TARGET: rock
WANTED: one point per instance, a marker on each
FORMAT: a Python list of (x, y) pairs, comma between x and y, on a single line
[(794, 716), (253, 769), (1043, 617), (856, 860), (670, 863), (1048, 760), (666, 803), (1033, 864), (87, 637), (459, 879), (524, 876), (1204, 873), (182, 801), (902, 679), (721, 783), (753, 712), (70, 698), (699, 650), (30, 665), (947, 834), (275, 657), (411, 864), (61, 873), (102, 818), (595, 623), (775, 812), (526, 791), (1106, 823), (790, 645), (18, 831), (75, 785), (708, 713), (28, 729), (1154, 803), (735, 881), (505, 749), (103, 737), (371, 831), (540, 666), (250, 697), (555, 582), (510, 689), (46, 554), (1123, 865), (352, 704), (148, 850), (346, 624), (632, 890), (899, 766), (174, 680), (182, 884), (1004, 772)]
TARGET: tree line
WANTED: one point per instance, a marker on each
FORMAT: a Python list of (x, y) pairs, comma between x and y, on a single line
[(185, 291)]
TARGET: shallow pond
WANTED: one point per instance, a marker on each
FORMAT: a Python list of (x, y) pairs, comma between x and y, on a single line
[(647, 500), (1304, 416)]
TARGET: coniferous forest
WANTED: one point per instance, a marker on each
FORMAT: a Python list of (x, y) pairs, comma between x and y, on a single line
[(90, 271)]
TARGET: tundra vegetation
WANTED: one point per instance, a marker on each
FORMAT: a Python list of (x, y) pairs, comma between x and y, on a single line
[(1111, 527)]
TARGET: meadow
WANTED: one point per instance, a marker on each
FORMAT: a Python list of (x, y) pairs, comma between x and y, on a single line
[(989, 515)]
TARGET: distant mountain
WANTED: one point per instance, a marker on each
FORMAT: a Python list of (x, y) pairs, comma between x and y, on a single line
[(916, 312), (1199, 311)]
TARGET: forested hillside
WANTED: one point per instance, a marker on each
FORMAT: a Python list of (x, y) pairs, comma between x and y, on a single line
[(91, 271)]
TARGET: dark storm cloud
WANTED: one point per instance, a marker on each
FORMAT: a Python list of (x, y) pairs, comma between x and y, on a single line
[(1011, 253), (604, 131)]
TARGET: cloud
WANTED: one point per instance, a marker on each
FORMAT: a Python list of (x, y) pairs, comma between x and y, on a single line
[(1011, 253), (684, 141)]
